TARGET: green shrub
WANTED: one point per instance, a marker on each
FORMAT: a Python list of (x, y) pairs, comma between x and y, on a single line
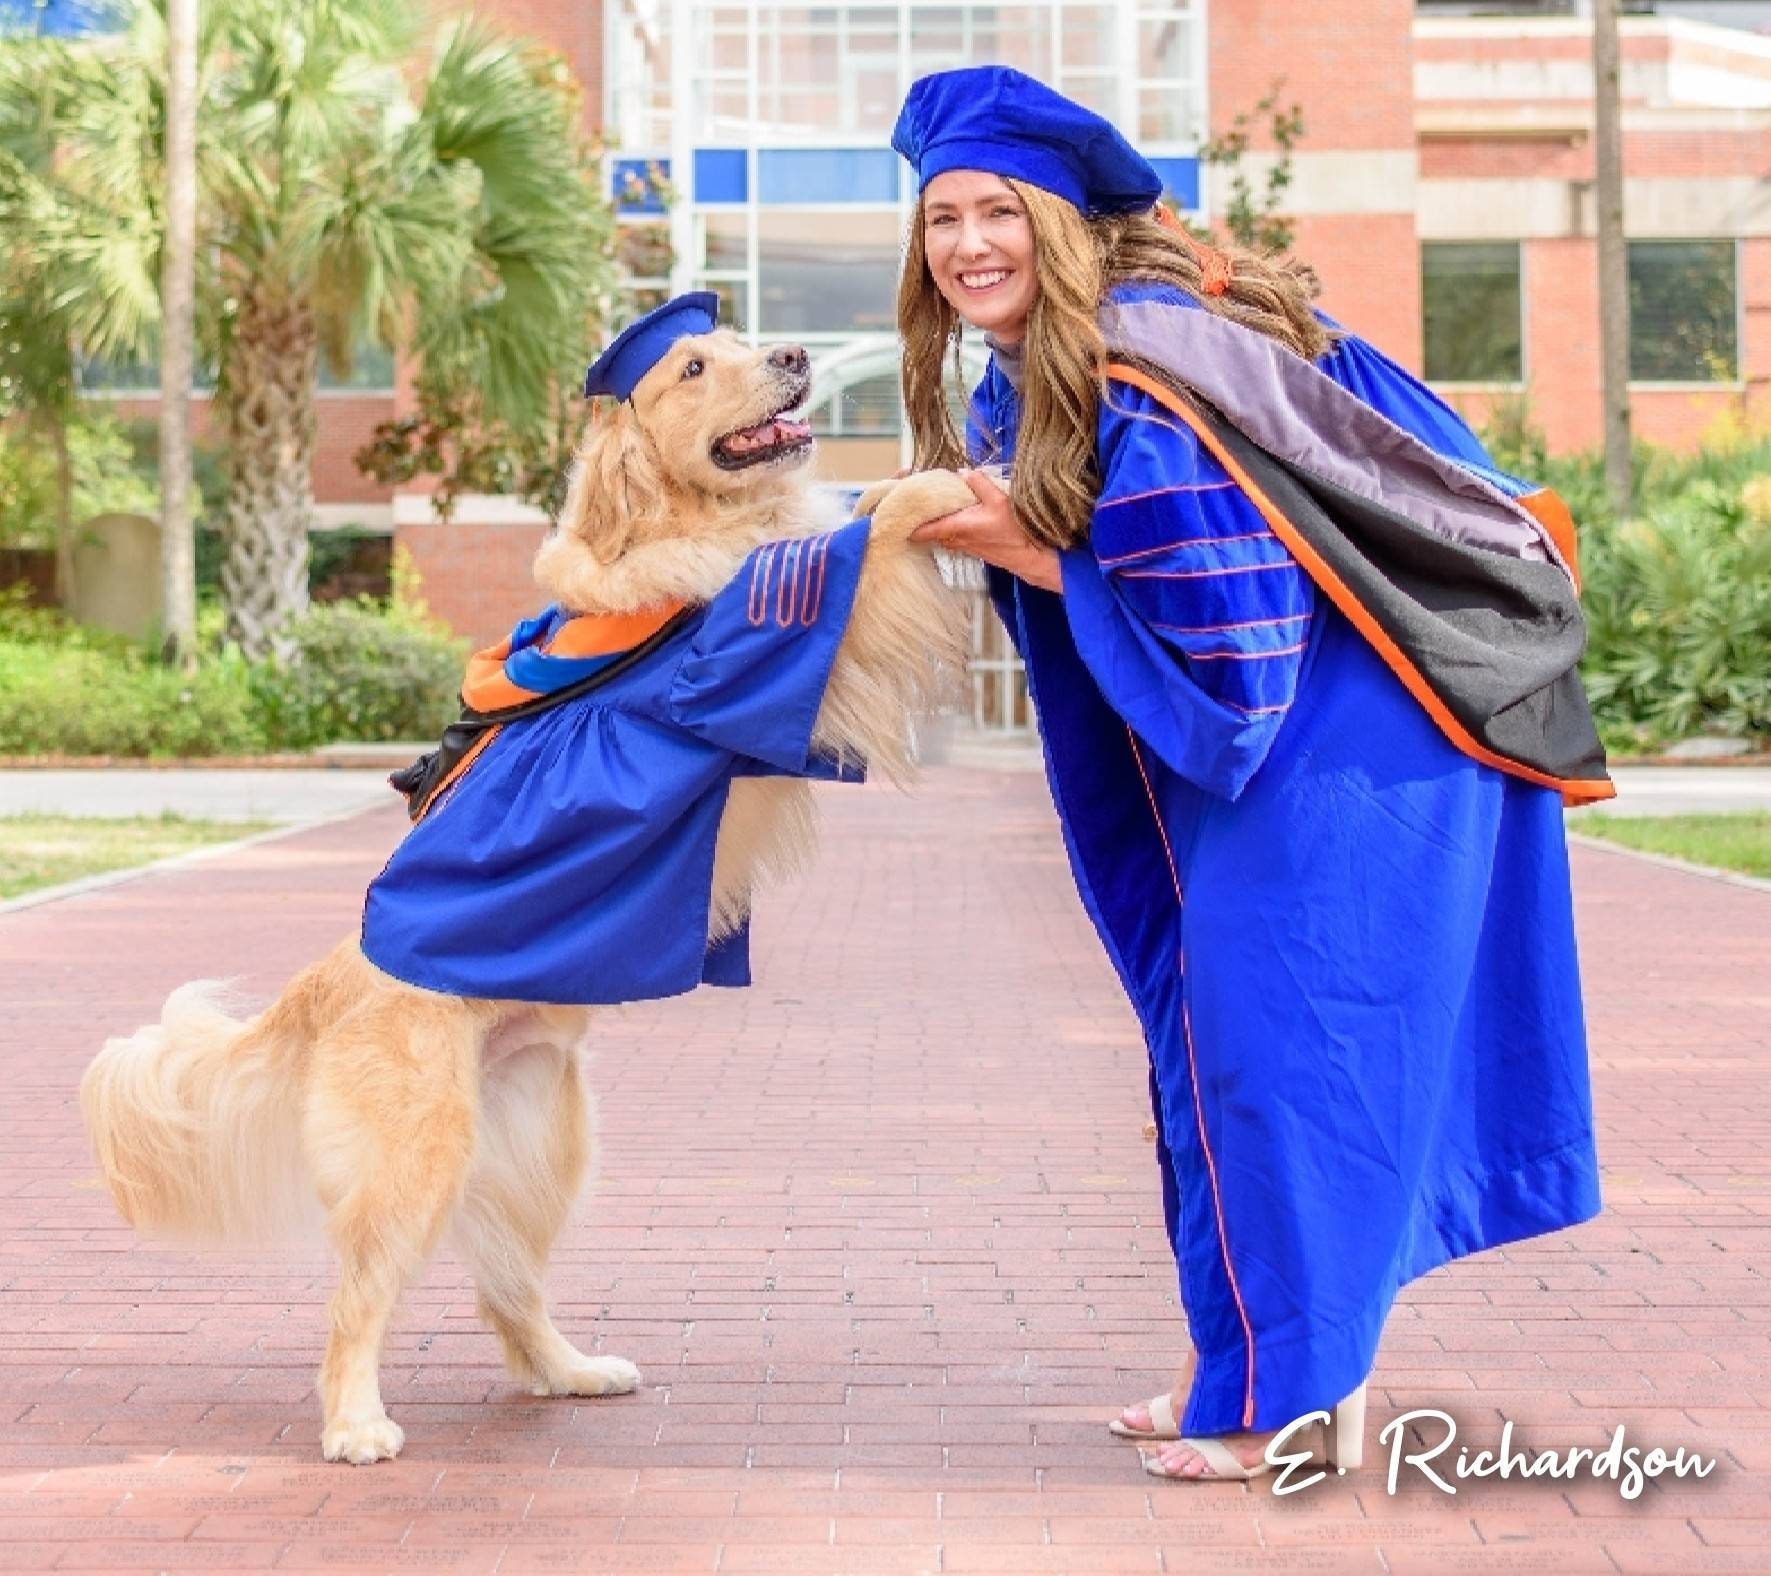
[(360, 673), (1677, 599), (1678, 607), (79, 699)]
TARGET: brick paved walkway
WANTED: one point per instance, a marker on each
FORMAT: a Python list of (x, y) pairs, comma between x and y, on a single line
[(884, 1235)]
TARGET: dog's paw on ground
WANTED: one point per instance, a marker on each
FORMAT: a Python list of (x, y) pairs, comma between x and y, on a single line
[(377, 1439), (593, 1376)]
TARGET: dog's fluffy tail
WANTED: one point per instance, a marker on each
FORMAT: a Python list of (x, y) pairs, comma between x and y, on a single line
[(195, 1122)]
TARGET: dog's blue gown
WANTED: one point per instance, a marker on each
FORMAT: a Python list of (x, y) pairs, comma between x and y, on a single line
[(572, 861), (1351, 946)]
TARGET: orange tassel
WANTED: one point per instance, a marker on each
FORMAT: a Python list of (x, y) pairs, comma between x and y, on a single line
[(1214, 266)]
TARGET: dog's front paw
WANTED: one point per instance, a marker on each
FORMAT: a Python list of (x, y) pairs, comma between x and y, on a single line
[(592, 1376), (374, 1439), (920, 498)]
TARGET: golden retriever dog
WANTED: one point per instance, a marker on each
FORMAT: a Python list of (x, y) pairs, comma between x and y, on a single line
[(396, 1115)]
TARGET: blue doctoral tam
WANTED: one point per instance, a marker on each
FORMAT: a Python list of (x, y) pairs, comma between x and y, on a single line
[(1003, 121), (638, 347)]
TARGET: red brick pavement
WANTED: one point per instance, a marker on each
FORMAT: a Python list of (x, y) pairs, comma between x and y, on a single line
[(885, 1237)]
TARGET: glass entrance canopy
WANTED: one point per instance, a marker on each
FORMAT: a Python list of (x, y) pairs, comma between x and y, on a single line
[(752, 158)]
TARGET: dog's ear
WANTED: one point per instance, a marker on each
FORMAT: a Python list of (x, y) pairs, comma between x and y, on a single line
[(616, 492)]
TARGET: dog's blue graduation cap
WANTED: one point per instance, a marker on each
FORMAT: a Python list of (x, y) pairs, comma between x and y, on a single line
[(637, 348), (997, 119)]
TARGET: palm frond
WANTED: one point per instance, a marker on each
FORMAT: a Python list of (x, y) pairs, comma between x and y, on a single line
[(542, 240)]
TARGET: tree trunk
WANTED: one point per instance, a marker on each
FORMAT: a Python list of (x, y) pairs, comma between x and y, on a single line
[(64, 512), (1614, 293), (269, 417), (178, 571)]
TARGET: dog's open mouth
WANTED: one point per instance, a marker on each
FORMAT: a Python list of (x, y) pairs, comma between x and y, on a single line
[(778, 438)]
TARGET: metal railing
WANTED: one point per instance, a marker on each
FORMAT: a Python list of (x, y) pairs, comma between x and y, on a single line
[(1000, 707)]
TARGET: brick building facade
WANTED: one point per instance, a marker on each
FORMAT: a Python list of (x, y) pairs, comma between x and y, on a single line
[(1442, 189), (1503, 111)]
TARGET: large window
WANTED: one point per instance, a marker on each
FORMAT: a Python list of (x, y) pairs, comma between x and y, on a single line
[(826, 73), (1168, 67), (134, 377), (782, 74), (1470, 299), (866, 408), (828, 272), (371, 371), (725, 251), (945, 36), (1684, 312)]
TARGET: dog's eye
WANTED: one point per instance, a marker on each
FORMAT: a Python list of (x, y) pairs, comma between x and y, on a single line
[(693, 369)]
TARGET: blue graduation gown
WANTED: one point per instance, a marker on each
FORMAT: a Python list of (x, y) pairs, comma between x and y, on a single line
[(572, 861), (1351, 947)]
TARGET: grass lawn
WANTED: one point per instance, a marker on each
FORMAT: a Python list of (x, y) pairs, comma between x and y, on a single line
[(45, 850), (1738, 841)]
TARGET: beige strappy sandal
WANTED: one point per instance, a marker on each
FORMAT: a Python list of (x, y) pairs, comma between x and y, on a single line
[(1343, 1449), (1226, 1466), (1162, 1420)]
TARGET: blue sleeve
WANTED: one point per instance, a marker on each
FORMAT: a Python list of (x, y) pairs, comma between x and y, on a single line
[(1190, 614), (754, 676)]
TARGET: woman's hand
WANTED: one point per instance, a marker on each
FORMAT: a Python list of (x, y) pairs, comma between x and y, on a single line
[(992, 531)]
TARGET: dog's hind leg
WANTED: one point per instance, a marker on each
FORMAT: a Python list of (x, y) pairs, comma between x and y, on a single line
[(534, 1144), (389, 1130)]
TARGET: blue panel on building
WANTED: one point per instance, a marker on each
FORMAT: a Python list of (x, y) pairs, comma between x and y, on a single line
[(59, 18), (721, 175), (634, 188), (1180, 180), (827, 175)]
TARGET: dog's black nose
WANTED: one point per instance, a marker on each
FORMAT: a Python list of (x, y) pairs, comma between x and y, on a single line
[(789, 358)]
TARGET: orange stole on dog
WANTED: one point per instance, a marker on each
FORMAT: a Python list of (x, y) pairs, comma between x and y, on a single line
[(545, 661)]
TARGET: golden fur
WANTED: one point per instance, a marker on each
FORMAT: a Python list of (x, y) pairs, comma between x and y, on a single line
[(1077, 260), (420, 1113)]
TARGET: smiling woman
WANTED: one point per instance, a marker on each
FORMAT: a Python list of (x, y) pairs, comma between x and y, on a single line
[(1342, 918)]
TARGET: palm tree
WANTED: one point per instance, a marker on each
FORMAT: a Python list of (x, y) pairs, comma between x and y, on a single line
[(345, 198)]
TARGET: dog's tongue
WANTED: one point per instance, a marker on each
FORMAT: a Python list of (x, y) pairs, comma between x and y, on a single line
[(769, 434)]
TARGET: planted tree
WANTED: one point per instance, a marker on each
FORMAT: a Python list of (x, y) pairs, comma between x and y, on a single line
[(344, 197), (1253, 215), (78, 249)]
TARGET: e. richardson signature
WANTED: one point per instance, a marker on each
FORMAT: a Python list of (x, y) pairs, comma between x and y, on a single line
[(1629, 1466)]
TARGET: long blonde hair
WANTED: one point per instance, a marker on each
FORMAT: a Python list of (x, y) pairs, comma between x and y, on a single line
[(1078, 260)]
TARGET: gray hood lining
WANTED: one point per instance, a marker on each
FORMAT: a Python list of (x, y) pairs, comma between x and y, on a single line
[(1297, 412)]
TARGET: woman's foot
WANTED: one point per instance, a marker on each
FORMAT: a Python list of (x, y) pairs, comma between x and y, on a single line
[(1136, 1422), (1185, 1458), (1340, 1442)]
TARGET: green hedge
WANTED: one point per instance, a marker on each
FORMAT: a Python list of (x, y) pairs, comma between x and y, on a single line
[(1678, 597), (75, 701), (359, 673), (1678, 606)]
